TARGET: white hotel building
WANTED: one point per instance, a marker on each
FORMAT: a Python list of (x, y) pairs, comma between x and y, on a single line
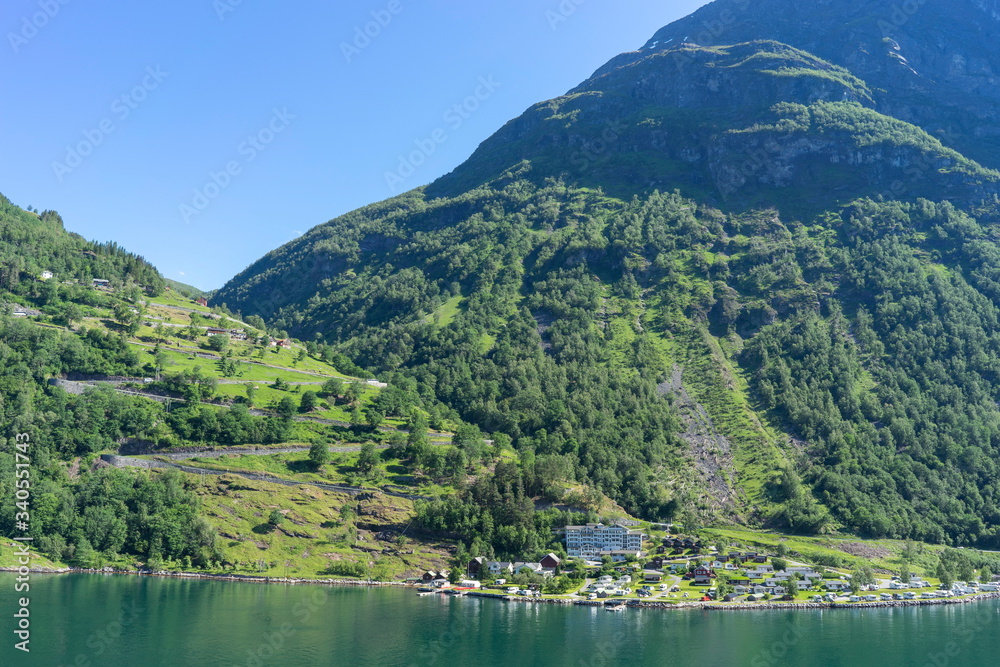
[(595, 540)]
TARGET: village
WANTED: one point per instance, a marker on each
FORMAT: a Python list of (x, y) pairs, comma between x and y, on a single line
[(615, 567)]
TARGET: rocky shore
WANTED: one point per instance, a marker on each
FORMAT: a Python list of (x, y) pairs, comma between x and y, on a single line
[(245, 578), (635, 604), (785, 606)]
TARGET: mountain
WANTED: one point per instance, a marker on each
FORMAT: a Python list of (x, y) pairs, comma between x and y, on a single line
[(748, 272), (932, 64)]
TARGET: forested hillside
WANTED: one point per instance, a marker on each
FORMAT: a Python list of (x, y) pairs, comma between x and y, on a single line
[(31, 243), (720, 280)]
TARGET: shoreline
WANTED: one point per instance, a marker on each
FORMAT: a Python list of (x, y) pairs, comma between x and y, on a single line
[(631, 603), (238, 578)]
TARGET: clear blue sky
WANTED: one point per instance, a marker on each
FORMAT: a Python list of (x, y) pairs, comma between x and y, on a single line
[(154, 97)]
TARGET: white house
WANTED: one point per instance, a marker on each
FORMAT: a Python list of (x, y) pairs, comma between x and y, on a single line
[(47, 275), (500, 567), (528, 567), (595, 540)]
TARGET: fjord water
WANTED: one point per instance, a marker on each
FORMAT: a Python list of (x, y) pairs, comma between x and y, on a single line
[(121, 621)]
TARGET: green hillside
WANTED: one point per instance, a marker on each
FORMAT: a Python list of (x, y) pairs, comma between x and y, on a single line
[(717, 283), (747, 282), (187, 291), (32, 243)]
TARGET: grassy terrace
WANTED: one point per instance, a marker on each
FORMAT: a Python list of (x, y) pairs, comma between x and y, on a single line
[(9, 558), (255, 365), (323, 534), (186, 360), (341, 470)]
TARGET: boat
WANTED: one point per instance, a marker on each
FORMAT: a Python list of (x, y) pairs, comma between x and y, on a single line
[(425, 589), (617, 607), (424, 593)]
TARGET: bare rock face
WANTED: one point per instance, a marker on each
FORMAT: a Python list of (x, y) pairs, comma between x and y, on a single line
[(930, 62), (734, 123)]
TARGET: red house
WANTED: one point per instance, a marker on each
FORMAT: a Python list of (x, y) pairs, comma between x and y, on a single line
[(703, 576), (550, 562)]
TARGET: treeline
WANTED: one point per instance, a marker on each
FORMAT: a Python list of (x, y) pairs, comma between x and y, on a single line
[(109, 512), (496, 517)]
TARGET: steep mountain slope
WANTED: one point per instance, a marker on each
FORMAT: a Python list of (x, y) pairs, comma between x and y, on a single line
[(933, 63), (737, 125), (797, 334)]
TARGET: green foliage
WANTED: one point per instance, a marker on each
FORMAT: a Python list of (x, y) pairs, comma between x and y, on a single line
[(367, 459), (898, 403), (498, 512), (861, 576), (286, 407), (234, 426), (308, 402), (32, 244), (333, 387), (319, 454), (218, 343), (117, 512)]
